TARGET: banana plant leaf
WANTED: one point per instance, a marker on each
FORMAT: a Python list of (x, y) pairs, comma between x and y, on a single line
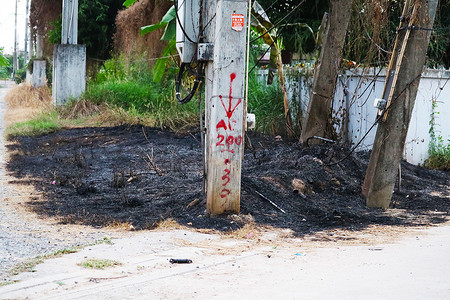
[(128, 3), (3, 61), (168, 21)]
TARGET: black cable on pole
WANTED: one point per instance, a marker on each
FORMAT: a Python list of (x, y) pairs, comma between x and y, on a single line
[(181, 25), (200, 67), (197, 81)]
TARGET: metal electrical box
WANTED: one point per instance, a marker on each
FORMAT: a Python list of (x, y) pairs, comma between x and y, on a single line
[(188, 21)]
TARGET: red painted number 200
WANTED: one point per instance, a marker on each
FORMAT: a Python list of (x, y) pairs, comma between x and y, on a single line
[(230, 140)]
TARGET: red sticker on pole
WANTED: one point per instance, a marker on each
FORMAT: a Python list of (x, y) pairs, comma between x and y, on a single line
[(237, 22)]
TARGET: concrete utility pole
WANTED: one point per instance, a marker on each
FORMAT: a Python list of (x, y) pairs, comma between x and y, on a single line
[(28, 52), (39, 78), (69, 59), (403, 78), (25, 57), (70, 22), (225, 103), (326, 72), (15, 62)]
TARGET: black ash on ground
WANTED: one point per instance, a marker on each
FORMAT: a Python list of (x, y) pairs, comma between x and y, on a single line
[(140, 176)]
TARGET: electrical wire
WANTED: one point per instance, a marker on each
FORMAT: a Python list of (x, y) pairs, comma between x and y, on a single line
[(270, 6), (274, 41), (279, 22), (259, 60), (374, 123), (181, 25), (197, 80), (198, 75)]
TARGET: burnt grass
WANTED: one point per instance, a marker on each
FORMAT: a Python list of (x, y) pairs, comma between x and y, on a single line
[(104, 176)]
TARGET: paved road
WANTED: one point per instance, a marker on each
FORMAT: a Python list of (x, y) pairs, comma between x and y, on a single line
[(415, 267)]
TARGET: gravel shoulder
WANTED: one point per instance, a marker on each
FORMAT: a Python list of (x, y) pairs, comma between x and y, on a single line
[(417, 266), (23, 235)]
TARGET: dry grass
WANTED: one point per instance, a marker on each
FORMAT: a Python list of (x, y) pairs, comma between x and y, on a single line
[(115, 116), (250, 230), (120, 226), (18, 114), (25, 95), (25, 102), (127, 38), (169, 224), (99, 264), (80, 109)]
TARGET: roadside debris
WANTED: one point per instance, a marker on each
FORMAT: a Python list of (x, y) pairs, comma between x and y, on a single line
[(180, 261), (270, 201)]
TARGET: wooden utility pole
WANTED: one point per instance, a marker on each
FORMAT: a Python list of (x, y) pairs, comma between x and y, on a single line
[(326, 72), (225, 107), (402, 81)]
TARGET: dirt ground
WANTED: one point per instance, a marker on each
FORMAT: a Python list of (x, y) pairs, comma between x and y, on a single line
[(136, 177)]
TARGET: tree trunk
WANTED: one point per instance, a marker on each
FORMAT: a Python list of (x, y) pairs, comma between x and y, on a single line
[(409, 57), (325, 75)]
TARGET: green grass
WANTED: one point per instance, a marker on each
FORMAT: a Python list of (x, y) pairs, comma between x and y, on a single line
[(266, 102), (26, 266), (105, 240), (439, 156), (30, 264), (43, 124), (99, 264), (143, 102), (127, 95), (5, 283), (438, 161)]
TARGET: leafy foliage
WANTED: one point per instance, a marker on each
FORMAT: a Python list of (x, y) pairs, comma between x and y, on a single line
[(266, 102), (439, 154), (131, 88), (4, 64), (96, 26), (439, 48), (439, 149), (168, 21), (371, 31), (3, 60), (296, 38)]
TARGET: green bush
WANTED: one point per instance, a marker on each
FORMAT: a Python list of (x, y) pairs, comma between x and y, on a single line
[(20, 75), (439, 154), (4, 73), (266, 102), (131, 87)]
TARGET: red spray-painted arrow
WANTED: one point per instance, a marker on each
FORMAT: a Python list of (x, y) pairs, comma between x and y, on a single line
[(230, 110)]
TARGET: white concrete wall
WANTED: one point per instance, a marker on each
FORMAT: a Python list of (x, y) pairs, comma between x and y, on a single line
[(364, 86), (356, 91)]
